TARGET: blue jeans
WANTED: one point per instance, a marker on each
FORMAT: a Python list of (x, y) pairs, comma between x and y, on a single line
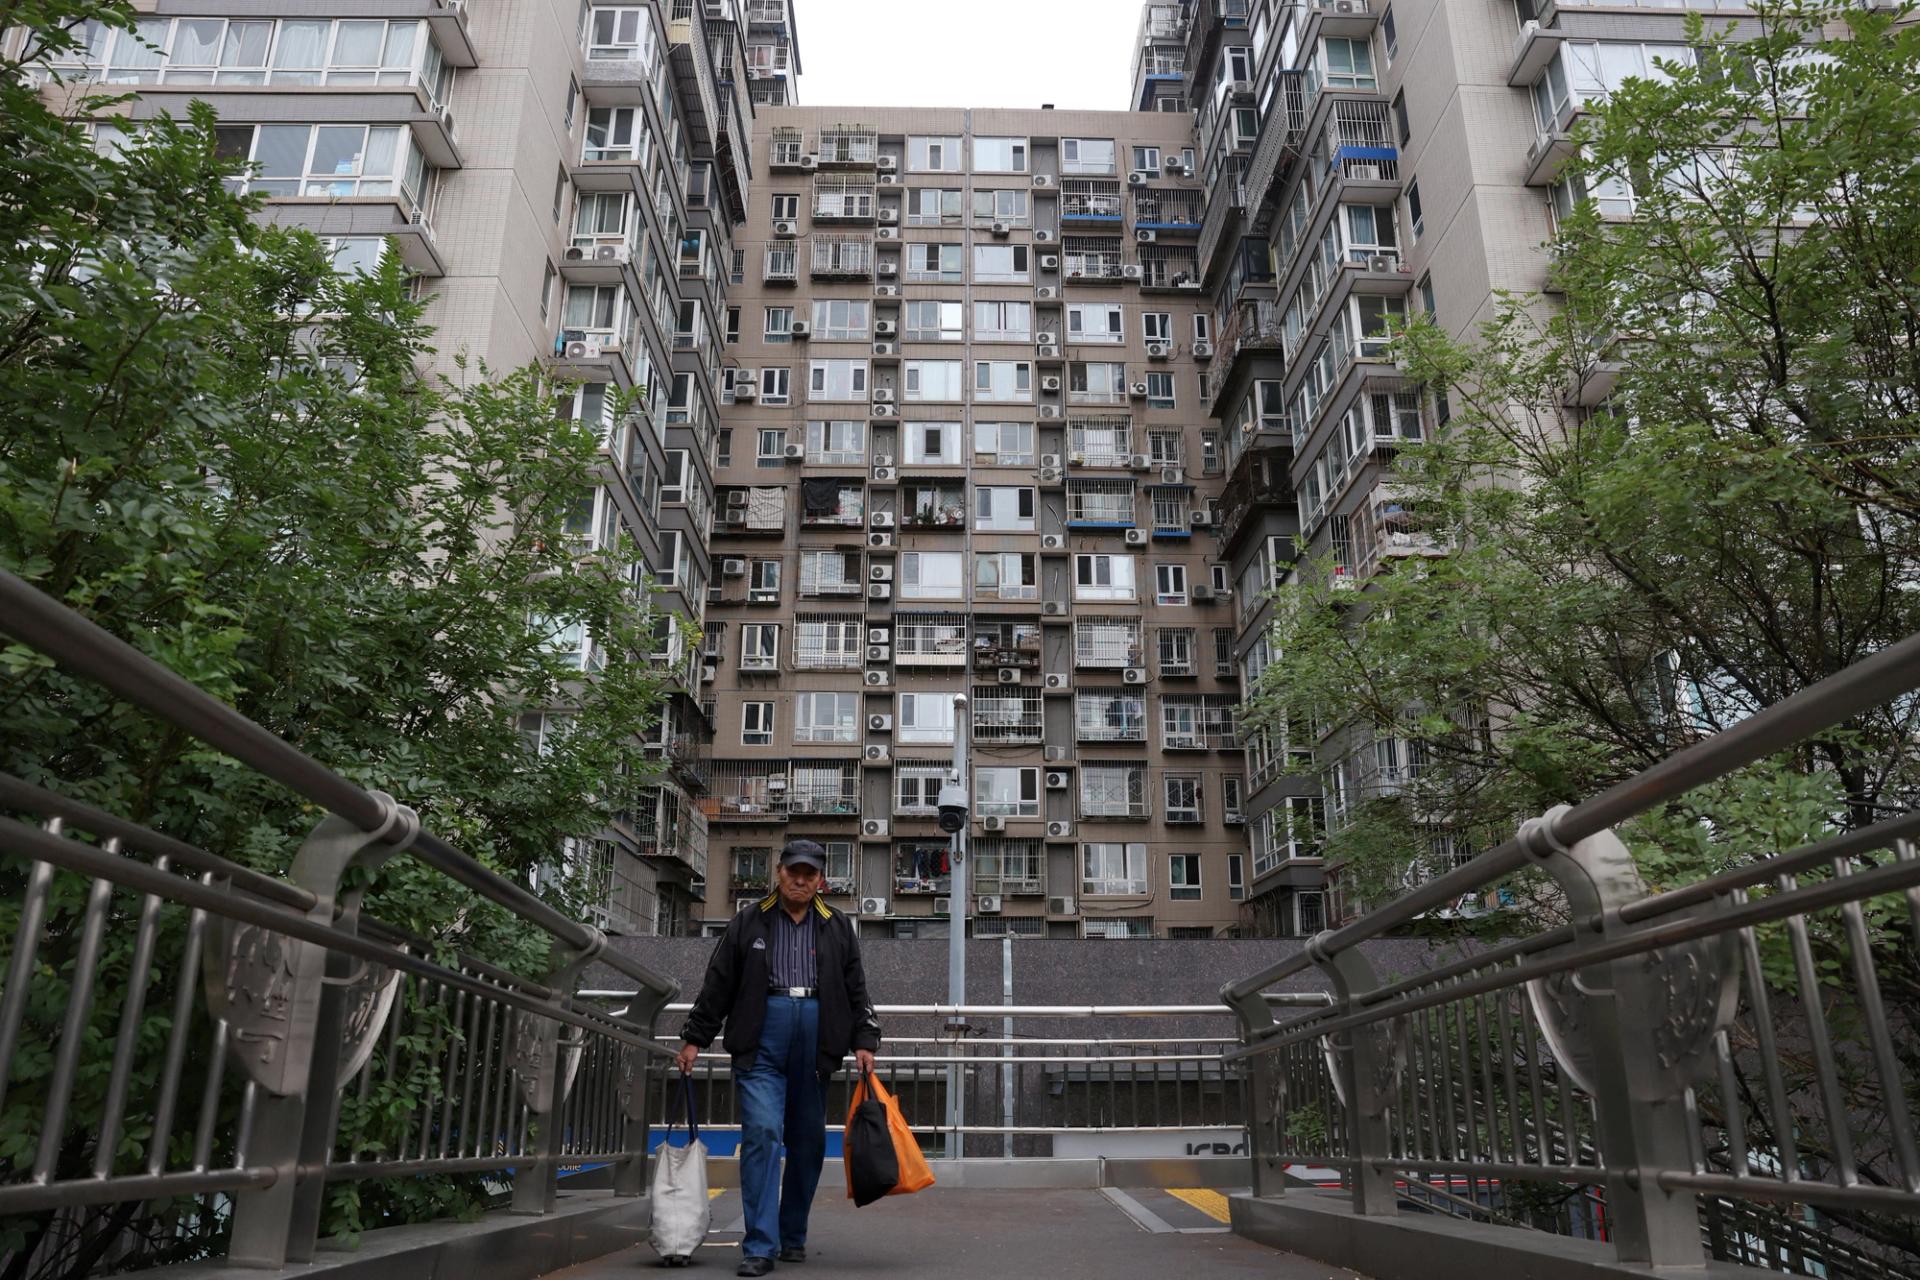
[(782, 1100)]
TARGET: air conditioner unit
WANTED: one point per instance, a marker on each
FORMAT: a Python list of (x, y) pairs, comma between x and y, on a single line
[(1203, 351), (800, 329), (1053, 608), (886, 291), (1043, 181), (1158, 350), (1049, 352), (1130, 272), (1381, 262), (1348, 6), (745, 390), (888, 179), (1057, 781), (709, 674), (1136, 537), (1046, 338), (1053, 542), (1050, 382), (1060, 906), (877, 680), (880, 591), (575, 254), (882, 459), (880, 653), (795, 452), (887, 233), (737, 497), (879, 722), (987, 904), (883, 395), (880, 541), (873, 827), (1145, 235), (878, 635), (733, 568), (1047, 292), (1138, 178), (1001, 229), (1200, 519), (881, 411), (1201, 592), (886, 164), (809, 162), (882, 349), (873, 906), (1060, 830), (1055, 680), (1173, 475), (1174, 165), (1045, 236), (881, 519), (993, 824), (1009, 675), (1134, 675), (876, 754), (581, 350), (887, 216), (784, 230), (943, 906), (1050, 476), (885, 328), (884, 475), (1138, 390), (880, 573)]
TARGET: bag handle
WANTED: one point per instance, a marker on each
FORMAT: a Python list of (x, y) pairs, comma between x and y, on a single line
[(693, 1117)]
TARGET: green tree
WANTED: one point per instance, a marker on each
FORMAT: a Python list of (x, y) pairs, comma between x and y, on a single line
[(226, 453)]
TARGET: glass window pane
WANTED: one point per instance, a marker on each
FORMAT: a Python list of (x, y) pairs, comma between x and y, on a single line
[(401, 38), (382, 146), (338, 149), (281, 151), (358, 44), (302, 44), (196, 42)]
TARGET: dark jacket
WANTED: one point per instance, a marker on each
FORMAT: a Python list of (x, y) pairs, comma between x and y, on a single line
[(735, 990)]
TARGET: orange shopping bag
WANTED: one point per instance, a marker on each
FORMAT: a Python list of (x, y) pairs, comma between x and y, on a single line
[(882, 1156)]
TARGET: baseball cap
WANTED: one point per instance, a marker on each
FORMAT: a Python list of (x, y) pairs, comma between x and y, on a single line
[(804, 852)]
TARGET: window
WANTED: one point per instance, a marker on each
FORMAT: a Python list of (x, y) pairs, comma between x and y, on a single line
[(1231, 786), (1003, 444), (1426, 294), (1160, 391), (1003, 322), (1006, 792), (1156, 326), (924, 717), (611, 135), (932, 321), (1002, 380), (559, 194), (933, 155), (1096, 383), (933, 443), (1236, 876), (779, 327), (329, 160), (1388, 36), (775, 385), (999, 155), (1176, 651), (1103, 577), (1219, 578), (547, 278), (786, 208), (1006, 575), (756, 724), (573, 101), (1183, 876), (763, 579), (1169, 584), (932, 575), (1146, 159), (1113, 791), (837, 443), (1209, 453), (1003, 508), (1415, 218), (1401, 127), (1181, 793), (937, 263), (1086, 155), (826, 717), (772, 447), (760, 646), (1349, 63), (837, 380), (934, 380), (1113, 869), (1010, 207), (829, 573), (1095, 322), (934, 207), (1001, 264), (841, 319)]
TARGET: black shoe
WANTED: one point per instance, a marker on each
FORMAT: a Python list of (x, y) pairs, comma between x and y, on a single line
[(794, 1253), (753, 1266)]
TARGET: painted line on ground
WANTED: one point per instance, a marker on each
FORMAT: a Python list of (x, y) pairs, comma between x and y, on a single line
[(1205, 1199)]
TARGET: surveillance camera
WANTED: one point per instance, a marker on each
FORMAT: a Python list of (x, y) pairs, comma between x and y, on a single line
[(953, 807)]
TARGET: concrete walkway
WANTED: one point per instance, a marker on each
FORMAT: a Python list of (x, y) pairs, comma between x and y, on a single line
[(1008, 1235)]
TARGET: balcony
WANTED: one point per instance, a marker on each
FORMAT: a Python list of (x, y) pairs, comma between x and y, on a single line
[(1255, 325), (1278, 144), (1169, 269), (669, 829), (1109, 717), (930, 640), (1357, 145), (1006, 715), (1176, 210), (921, 867), (822, 788), (1086, 200), (1389, 527), (1259, 483), (844, 147), (841, 257), (1225, 205), (1353, 19), (1095, 442), (692, 55), (782, 265)]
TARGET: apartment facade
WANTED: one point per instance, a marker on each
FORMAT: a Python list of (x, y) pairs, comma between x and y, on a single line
[(965, 452)]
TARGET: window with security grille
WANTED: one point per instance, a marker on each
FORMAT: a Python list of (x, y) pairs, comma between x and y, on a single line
[(752, 869), (822, 787), (1165, 448), (1118, 930), (1005, 866), (1099, 442), (1171, 508), (1009, 926), (930, 639), (1005, 714), (1106, 642), (1181, 792), (1109, 715), (828, 643), (1114, 790), (1175, 646), (1113, 868), (916, 789), (1100, 502), (1198, 722), (829, 573)]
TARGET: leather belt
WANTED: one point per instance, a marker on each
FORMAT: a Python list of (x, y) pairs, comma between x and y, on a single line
[(797, 993)]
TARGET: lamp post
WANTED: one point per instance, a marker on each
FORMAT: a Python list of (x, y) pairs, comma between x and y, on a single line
[(955, 812)]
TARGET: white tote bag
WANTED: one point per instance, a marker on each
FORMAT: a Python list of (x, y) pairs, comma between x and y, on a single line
[(681, 1212)]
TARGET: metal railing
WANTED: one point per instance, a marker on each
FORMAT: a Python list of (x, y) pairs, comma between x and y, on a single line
[(1694, 1060), (178, 1027)]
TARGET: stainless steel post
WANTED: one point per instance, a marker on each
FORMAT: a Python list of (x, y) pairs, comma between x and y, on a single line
[(957, 902)]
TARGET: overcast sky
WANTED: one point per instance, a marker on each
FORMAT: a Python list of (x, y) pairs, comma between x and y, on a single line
[(966, 53)]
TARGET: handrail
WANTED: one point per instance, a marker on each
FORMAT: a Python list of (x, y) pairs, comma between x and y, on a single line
[(38, 620)]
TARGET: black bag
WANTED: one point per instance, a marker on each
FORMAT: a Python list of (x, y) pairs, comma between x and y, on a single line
[(873, 1167)]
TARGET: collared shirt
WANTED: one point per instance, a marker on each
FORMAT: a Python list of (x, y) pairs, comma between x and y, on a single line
[(790, 950)]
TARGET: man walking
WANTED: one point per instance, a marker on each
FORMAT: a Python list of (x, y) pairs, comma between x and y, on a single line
[(787, 981)]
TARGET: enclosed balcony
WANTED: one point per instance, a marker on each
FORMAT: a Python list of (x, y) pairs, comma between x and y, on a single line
[(1109, 715), (1006, 644), (1100, 504), (825, 788), (747, 791), (1107, 643), (843, 199), (1100, 442), (930, 640), (1006, 715), (851, 146), (841, 257), (1170, 268), (1173, 210)]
